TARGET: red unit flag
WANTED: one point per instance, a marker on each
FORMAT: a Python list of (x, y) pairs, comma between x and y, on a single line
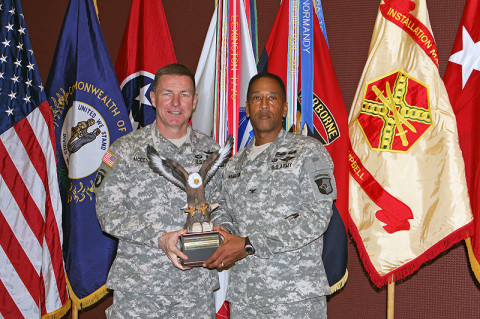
[(462, 80)]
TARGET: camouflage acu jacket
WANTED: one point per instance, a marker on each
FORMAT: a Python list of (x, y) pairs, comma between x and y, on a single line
[(136, 205), (282, 200)]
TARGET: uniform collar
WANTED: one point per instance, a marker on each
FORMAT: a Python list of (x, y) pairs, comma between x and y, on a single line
[(162, 141), (266, 154)]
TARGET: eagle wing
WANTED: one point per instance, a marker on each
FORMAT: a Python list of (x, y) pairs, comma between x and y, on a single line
[(168, 168), (215, 160)]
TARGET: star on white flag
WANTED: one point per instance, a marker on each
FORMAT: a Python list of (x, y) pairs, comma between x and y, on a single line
[(468, 57)]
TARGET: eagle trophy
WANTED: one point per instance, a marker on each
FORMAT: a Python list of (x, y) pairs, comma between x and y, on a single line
[(198, 219)]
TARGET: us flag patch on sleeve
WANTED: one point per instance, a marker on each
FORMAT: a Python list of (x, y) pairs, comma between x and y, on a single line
[(109, 159)]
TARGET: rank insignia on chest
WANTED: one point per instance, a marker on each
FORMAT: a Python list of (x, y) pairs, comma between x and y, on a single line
[(200, 158), (324, 184)]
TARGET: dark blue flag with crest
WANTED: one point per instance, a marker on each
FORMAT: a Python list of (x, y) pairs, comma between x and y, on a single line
[(89, 114)]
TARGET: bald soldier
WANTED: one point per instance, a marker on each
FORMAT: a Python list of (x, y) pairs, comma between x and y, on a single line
[(279, 191)]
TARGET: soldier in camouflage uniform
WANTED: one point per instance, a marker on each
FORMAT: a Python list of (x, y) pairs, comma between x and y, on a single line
[(144, 210), (280, 190)]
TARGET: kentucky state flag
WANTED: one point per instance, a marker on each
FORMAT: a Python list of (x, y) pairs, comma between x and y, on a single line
[(408, 195), (146, 47), (322, 116), (462, 80), (89, 114)]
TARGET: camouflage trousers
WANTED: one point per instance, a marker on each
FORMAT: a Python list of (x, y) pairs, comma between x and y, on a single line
[(315, 308), (128, 305)]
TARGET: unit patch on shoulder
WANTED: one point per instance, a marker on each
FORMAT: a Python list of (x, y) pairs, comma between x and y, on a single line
[(109, 159), (324, 183), (100, 176)]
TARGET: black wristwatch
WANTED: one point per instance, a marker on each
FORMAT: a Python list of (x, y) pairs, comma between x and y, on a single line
[(248, 247)]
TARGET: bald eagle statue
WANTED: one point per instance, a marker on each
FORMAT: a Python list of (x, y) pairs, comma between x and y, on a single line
[(198, 219)]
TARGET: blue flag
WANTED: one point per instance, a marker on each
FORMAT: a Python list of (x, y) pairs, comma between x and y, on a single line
[(89, 114)]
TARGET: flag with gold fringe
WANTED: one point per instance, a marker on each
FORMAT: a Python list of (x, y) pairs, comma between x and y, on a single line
[(462, 80), (89, 114), (408, 195)]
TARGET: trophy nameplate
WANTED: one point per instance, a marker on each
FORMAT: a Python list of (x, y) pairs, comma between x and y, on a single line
[(199, 247)]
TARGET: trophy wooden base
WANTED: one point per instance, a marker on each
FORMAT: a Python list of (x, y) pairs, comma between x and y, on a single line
[(199, 247)]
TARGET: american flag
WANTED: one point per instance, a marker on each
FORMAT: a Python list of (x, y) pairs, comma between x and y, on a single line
[(32, 276), (109, 158)]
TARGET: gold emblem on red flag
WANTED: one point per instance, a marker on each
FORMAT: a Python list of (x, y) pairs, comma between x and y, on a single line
[(395, 112)]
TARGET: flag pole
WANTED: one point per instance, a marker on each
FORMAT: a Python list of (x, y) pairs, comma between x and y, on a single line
[(391, 298), (74, 311)]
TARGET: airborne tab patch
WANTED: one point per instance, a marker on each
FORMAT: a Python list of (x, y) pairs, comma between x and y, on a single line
[(109, 159)]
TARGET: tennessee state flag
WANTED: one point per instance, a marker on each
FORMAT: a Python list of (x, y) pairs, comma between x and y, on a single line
[(328, 113), (408, 195), (462, 80), (146, 47)]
